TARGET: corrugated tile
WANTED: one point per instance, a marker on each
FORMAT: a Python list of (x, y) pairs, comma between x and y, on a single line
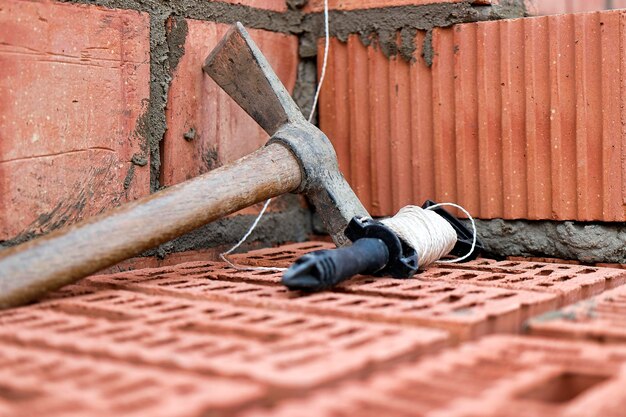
[(516, 119), (547, 7)]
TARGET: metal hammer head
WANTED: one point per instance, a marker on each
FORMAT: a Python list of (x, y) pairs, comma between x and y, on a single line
[(237, 65)]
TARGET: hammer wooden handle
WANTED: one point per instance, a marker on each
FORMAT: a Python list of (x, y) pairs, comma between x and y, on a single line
[(30, 270)]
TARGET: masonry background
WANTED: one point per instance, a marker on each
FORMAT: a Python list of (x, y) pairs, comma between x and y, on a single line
[(162, 128)]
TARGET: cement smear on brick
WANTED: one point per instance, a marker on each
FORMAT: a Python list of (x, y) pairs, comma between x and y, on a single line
[(380, 27), (586, 242)]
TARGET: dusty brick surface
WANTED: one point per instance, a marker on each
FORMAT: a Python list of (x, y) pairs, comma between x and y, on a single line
[(281, 348), (498, 376), (222, 131), (601, 318), (52, 383), (372, 346), (63, 154), (468, 311)]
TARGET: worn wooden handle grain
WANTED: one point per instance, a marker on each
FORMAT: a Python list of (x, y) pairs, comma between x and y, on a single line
[(30, 270)]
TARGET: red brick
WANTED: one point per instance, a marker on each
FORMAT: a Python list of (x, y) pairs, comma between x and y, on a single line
[(223, 131), (318, 5), (498, 376), (47, 382), (200, 255), (601, 318), (63, 154), (515, 119), (570, 282), (72, 290), (281, 348), (467, 311)]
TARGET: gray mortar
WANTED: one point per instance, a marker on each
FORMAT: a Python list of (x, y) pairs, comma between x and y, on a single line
[(586, 242), (175, 38), (383, 24), (306, 82), (167, 47)]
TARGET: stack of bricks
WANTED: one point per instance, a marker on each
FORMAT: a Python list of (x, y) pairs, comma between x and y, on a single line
[(204, 338), (420, 102)]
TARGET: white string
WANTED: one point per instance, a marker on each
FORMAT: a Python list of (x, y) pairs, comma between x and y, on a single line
[(243, 239), (474, 232), (324, 61), (267, 202), (428, 233)]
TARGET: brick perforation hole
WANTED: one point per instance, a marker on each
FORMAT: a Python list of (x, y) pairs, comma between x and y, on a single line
[(564, 387)]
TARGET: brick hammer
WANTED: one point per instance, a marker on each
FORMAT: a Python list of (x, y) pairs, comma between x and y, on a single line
[(298, 158)]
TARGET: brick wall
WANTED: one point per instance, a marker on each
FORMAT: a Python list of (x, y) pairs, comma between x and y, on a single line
[(104, 102), (104, 105)]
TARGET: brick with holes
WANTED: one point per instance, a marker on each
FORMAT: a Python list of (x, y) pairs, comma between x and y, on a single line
[(569, 282), (508, 376), (602, 318), (282, 348), (36, 381), (467, 311)]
